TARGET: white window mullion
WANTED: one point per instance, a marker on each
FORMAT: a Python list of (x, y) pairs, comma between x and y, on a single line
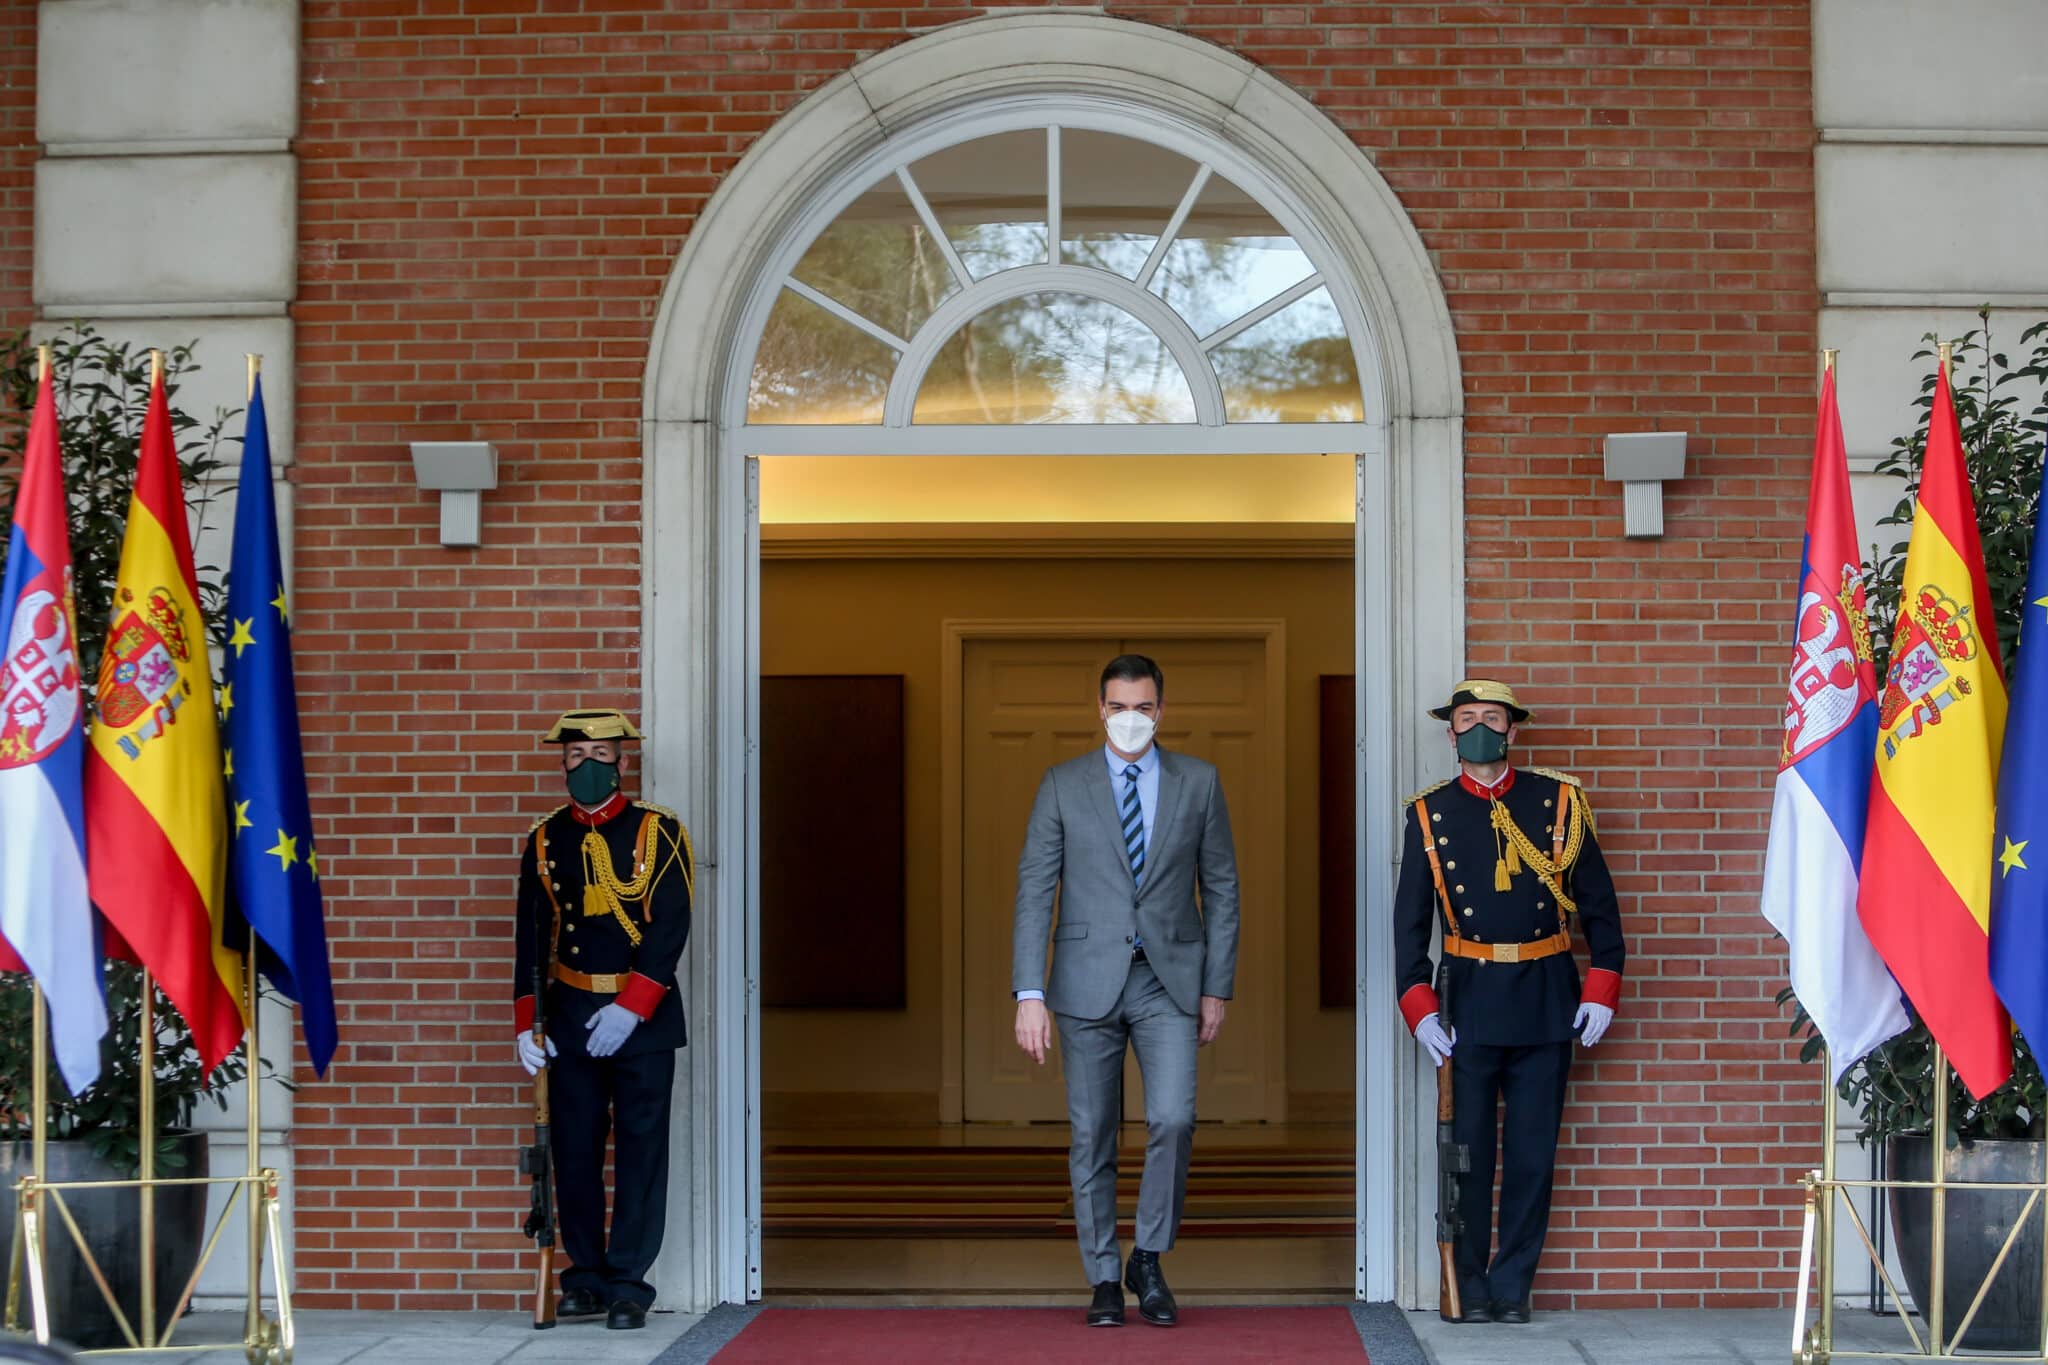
[(1173, 226), (1291, 294), (931, 225), (847, 315), (1052, 195)]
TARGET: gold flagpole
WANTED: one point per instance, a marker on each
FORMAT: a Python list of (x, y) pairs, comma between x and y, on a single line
[(1939, 1292), (1826, 1231), (146, 1151), (252, 1321)]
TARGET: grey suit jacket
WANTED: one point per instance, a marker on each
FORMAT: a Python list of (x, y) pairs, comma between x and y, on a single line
[(1074, 845)]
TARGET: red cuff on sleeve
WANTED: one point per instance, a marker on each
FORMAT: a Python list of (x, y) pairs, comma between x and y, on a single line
[(1602, 988), (522, 1014), (641, 995), (1418, 1004)]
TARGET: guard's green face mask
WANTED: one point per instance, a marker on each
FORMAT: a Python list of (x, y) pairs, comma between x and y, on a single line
[(591, 781), (1482, 744)]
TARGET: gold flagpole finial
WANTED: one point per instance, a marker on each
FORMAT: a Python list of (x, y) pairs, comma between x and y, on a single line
[(1827, 361), (42, 363), (156, 367), (1944, 350), (255, 368)]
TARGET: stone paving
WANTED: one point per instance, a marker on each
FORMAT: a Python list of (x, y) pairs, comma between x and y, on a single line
[(1643, 1337), (342, 1337)]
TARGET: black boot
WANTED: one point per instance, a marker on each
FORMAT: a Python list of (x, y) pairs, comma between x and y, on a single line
[(580, 1303), (1146, 1280), (625, 1315), (1108, 1308)]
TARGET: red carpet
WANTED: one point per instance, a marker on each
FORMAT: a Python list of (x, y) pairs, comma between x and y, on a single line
[(927, 1336)]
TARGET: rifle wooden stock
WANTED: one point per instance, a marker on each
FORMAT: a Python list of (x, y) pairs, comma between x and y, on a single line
[(1448, 1304), (538, 1161)]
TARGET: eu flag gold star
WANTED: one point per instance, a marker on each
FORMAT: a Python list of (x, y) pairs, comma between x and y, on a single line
[(2009, 858), (242, 639), (286, 849), (283, 612), (227, 699), (313, 862), (242, 820), (227, 763)]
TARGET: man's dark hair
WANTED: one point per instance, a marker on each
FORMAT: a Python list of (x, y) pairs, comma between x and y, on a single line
[(1130, 668)]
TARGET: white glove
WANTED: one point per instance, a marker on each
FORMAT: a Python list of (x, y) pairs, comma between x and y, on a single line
[(1430, 1033), (1593, 1020), (530, 1055), (609, 1028)]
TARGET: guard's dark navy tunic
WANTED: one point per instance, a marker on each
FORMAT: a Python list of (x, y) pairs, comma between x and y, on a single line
[(1512, 1020), (596, 962)]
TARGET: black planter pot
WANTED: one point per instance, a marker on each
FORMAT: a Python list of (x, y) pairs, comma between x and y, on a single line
[(1978, 1221), (111, 1222)]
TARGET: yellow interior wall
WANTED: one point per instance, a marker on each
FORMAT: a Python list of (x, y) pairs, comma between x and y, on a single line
[(884, 616), (799, 489)]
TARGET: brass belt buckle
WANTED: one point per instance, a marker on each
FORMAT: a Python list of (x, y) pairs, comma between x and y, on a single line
[(1507, 952)]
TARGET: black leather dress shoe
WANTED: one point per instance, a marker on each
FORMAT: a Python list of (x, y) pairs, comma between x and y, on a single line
[(1503, 1311), (625, 1315), (1108, 1308), (1470, 1310), (580, 1303), (1145, 1279)]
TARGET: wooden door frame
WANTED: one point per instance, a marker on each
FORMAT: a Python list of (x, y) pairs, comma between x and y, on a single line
[(955, 636)]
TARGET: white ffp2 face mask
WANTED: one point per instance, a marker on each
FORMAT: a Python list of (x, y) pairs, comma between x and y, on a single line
[(1130, 731)]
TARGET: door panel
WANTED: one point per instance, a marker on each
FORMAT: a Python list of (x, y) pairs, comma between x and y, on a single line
[(1026, 704)]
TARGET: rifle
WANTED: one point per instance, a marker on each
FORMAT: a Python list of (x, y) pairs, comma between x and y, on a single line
[(1453, 1159), (538, 1162)]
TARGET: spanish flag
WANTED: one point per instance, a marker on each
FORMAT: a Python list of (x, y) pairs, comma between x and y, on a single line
[(1926, 893), (155, 798)]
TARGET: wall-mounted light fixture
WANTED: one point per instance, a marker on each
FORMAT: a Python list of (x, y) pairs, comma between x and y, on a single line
[(460, 471), (1641, 462)]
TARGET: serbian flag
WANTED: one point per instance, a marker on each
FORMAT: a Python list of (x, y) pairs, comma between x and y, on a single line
[(1812, 867), (273, 872), (1926, 894), (2019, 884), (45, 911), (155, 803)]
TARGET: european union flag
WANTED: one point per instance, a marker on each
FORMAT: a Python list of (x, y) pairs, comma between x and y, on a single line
[(273, 870), (2019, 874)]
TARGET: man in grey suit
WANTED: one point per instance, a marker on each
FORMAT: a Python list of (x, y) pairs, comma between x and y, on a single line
[(1129, 837)]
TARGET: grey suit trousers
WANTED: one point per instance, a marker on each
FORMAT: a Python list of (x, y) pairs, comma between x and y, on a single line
[(1092, 1056)]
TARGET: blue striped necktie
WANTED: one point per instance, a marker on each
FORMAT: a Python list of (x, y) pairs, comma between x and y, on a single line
[(1134, 825)]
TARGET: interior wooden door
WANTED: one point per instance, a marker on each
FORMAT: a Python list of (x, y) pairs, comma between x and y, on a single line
[(1027, 704)]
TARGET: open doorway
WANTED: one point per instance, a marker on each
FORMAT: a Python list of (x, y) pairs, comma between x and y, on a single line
[(931, 629)]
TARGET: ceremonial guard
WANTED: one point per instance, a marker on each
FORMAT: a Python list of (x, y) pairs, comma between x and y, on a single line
[(1503, 860), (604, 911)]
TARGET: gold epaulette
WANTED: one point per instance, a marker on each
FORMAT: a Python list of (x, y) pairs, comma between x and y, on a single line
[(545, 818), (1417, 796), (1583, 804), (689, 853)]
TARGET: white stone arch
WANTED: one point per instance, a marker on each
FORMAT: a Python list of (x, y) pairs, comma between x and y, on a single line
[(696, 557)]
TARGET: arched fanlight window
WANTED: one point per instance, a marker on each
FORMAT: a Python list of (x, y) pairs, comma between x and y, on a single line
[(1054, 275)]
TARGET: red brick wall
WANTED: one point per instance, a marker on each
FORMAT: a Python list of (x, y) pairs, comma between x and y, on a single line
[(17, 163), (1620, 200)]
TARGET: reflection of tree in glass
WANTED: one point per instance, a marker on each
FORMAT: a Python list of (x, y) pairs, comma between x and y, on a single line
[(1054, 358), (1296, 366), (814, 368)]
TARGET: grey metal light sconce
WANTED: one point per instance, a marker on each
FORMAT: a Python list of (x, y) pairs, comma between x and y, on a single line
[(460, 471), (1641, 462)]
